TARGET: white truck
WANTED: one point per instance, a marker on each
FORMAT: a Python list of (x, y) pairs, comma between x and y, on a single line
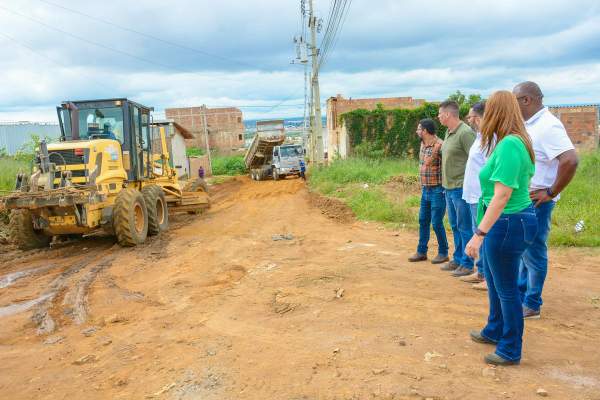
[(267, 156)]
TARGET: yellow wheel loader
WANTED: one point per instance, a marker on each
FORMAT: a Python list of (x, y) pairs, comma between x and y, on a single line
[(111, 171)]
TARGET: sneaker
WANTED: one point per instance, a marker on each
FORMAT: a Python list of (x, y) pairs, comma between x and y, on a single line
[(495, 359), (449, 266), (476, 336), (480, 286), (417, 257), (461, 271), (473, 278), (529, 313), (439, 259)]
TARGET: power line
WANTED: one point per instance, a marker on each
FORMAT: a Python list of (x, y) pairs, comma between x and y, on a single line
[(101, 85), (100, 45), (149, 36)]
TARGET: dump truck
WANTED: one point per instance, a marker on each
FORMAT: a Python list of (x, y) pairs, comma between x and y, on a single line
[(110, 171), (267, 155)]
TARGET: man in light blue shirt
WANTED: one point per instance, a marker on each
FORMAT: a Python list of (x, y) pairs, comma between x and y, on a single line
[(472, 187)]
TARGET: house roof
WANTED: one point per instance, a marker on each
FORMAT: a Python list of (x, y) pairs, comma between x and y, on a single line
[(184, 132), (572, 105)]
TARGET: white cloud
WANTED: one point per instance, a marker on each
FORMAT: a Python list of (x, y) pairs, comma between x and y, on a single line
[(419, 48)]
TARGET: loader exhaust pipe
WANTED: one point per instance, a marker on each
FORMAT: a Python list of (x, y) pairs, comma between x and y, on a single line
[(74, 113)]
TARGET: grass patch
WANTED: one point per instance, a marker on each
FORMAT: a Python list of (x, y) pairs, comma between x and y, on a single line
[(379, 200), (359, 182), (579, 202), (357, 170), (228, 165), (9, 167)]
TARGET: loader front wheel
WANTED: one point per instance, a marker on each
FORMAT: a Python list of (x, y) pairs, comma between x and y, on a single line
[(130, 217), (158, 213), (22, 232)]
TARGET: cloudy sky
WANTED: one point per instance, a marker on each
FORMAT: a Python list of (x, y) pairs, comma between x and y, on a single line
[(238, 53)]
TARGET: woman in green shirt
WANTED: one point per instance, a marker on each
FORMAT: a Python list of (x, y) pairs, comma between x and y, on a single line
[(506, 223)]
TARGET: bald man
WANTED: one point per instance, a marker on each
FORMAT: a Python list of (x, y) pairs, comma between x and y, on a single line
[(555, 165)]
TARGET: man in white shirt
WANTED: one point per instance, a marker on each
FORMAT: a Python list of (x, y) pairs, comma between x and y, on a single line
[(555, 165), (472, 187)]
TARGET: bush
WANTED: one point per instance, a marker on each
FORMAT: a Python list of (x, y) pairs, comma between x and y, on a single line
[(228, 165), (195, 152), (579, 202)]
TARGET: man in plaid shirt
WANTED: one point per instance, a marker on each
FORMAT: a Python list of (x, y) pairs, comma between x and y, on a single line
[(433, 200)]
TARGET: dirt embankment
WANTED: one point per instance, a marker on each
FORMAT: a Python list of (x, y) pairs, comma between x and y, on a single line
[(267, 297)]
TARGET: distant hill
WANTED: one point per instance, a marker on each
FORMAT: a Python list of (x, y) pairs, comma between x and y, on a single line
[(293, 121)]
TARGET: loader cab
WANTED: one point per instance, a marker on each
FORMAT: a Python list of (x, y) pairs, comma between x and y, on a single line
[(121, 120)]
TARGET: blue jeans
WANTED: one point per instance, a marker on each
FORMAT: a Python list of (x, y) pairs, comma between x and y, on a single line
[(480, 268), (534, 266), (459, 216), (504, 246), (433, 208)]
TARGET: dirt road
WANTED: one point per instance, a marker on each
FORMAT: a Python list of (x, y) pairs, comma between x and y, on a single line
[(217, 309)]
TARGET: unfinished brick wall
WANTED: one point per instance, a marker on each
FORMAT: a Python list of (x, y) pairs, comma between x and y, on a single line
[(225, 126), (338, 143), (581, 123)]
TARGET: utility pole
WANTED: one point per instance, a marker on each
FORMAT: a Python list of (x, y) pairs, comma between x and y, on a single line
[(206, 137), (317, 120)]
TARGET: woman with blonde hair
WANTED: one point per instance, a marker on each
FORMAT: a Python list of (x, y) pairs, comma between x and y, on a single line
[(506, 223)]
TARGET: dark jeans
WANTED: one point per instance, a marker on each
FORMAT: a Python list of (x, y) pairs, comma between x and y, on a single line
[(459, 216), (534, 266), (433, 208), (504, 246), (480, 268)]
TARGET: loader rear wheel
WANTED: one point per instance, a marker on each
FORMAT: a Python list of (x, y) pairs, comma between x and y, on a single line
[(196, 184), (22, 232), (130, 217), (158, 213)]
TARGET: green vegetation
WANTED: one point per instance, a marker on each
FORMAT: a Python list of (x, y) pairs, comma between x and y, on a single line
[(9, 167), (373, 192), (195, 152), (391, 133), (579, 202), (361, 183), (228, 165)]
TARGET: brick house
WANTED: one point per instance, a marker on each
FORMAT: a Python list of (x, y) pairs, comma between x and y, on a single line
[(225, 126), (338, 141), (581, 123)]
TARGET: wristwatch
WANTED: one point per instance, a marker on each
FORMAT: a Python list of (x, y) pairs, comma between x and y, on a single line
[(549, 192), (479, 232)]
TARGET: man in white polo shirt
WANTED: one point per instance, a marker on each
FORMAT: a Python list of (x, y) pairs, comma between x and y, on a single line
[(472, 187), (555, 165)]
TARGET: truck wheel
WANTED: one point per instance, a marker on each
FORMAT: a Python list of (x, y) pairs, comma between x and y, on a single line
[(275, 174), (158, 213), (22, 233), (130, 217), (194, 185)]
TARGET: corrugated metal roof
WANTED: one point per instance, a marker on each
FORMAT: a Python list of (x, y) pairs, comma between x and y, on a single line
[(573, 105)]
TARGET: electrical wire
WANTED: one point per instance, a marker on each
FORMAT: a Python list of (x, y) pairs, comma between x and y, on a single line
[(149, 36)]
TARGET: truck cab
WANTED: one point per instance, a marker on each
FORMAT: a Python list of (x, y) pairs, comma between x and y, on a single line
[(288, 160)]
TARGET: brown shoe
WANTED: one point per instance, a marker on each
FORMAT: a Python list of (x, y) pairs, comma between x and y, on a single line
[(473, 278), (440, 259), (461, 271), (449, 266), (480, 286), (417, 257)]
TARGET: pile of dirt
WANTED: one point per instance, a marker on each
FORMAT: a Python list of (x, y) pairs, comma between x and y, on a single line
[(332, 208)]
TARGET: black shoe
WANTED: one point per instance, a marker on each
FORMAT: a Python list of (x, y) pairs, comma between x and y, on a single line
[(449, 266), (495, 359), (417, 257), (476, 336), (439, 259), (461, 271), (529, 313)]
